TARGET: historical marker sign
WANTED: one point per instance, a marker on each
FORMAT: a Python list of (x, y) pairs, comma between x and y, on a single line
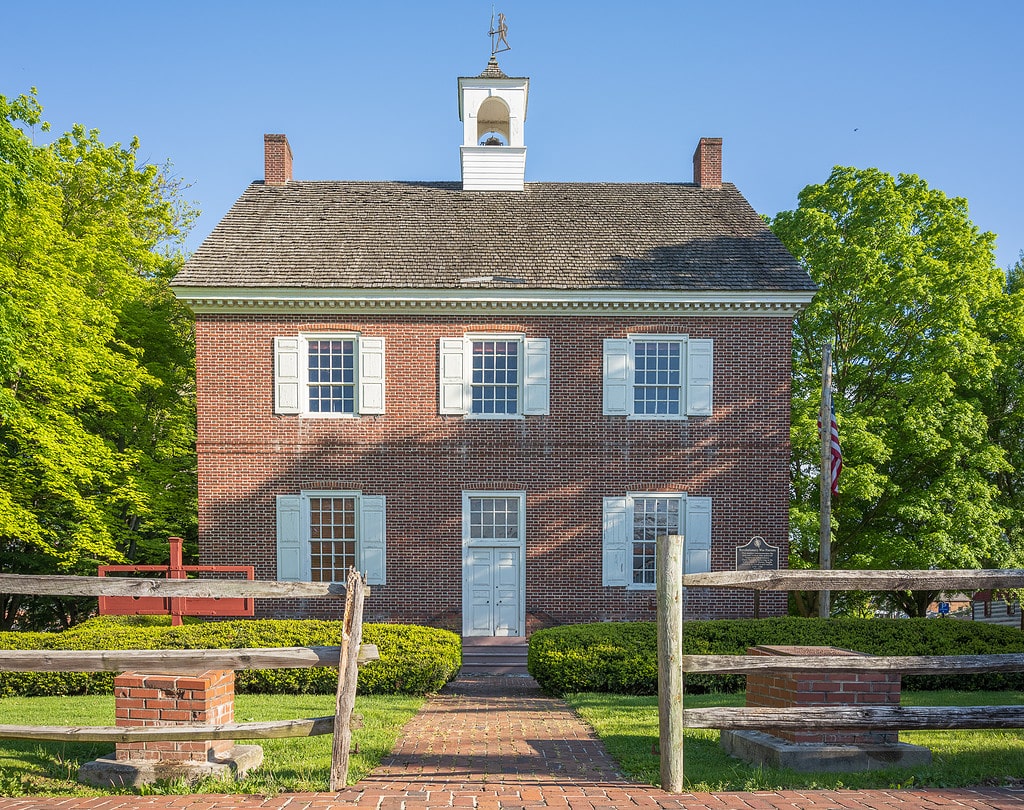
[(757, 555)]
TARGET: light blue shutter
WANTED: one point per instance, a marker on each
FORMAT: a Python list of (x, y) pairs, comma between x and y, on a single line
[(699, 377), (371, 375), (453, 373), (291, 544), (287, 375), (536, 379), (618, 382), (615, 541), (697, 535), (372, 543)]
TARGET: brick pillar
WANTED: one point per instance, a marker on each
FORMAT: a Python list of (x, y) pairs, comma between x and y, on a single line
[(166, 700), (828, 688)]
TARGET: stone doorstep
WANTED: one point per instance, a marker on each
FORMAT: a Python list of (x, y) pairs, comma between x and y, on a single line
[(110, 772), (762, 749)]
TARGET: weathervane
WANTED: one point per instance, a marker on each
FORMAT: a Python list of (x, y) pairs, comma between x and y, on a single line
[(500, 33)]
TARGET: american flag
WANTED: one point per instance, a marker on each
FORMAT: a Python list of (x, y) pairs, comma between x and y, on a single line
[(836, 450)]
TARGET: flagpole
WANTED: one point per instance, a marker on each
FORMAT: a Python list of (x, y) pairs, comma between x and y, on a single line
[(825, 422)]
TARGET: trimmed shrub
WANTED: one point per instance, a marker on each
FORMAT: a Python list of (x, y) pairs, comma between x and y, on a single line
[(622, 656), (413, 660)]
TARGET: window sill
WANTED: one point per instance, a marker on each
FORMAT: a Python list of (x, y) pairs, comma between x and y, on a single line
[(641, 587)]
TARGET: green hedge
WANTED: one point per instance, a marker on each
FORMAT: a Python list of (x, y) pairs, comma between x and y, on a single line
[(413, 660), (622, 656)]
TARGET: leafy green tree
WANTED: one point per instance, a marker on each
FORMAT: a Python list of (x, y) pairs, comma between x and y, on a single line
[(96, 360), (1004, 400), (908, 286)]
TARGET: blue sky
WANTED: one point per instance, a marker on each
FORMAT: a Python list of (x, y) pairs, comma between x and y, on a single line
[(618, 92)]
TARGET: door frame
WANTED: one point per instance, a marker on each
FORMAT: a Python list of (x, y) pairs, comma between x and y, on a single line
[(469, 543)]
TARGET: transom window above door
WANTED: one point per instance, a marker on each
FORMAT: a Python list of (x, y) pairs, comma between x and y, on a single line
[(493, 518)]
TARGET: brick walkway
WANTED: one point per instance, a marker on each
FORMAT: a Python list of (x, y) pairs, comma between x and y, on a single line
[(498, 744)]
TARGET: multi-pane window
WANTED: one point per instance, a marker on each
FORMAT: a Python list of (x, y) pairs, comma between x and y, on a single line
[(658, 378), (494, 518), (331, 376), (332, 538), (495, 377), (652, 517)]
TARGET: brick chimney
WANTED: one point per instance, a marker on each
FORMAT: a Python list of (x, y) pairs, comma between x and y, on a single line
[(277, 157), (707, 163)]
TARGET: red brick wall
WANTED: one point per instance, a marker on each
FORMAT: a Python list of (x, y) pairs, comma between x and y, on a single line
[(164, 700), (566, 462), (832, 688)]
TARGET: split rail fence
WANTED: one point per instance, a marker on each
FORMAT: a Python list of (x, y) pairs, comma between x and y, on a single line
[(673, 664), (346, 657)]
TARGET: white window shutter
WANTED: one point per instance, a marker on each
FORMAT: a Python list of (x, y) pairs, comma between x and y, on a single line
[(618, 382), (453, 371), (699, 377), (291, 544), (287, 375), (372, 542), (697, 535), (615, 541), (537, 377), (371, 375)]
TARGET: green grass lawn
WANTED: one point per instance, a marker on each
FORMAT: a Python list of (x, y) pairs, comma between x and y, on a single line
[(298, 764), (628, 725)]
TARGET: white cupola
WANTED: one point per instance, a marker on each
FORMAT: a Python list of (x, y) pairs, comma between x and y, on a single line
[(492, 108)]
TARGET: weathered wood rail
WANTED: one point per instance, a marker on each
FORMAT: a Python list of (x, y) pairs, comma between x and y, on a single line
[(176, 661), (674, 718), (347, 657)]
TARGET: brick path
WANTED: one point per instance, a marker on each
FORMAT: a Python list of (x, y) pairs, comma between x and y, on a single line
[(498, 744)]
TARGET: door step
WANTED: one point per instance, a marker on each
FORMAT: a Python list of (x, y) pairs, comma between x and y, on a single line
[(494, 655)]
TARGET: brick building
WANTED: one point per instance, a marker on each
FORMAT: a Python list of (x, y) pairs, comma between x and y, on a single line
[(492, 395)]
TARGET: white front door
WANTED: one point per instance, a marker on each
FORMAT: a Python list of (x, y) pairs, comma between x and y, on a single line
[(493, 592), (492, 573)]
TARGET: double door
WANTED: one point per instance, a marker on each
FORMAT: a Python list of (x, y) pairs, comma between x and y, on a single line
[(492, 592)]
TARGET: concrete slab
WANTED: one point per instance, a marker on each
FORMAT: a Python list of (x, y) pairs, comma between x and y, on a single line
[(759, 748), (109, 772)]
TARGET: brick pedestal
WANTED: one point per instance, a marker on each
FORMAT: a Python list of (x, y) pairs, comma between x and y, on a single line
[(783, 690), (165, 700), (822, 750)]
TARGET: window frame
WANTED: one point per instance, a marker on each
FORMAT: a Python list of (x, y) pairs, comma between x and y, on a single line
[(291, 375), (471, 339), (294, 534), (306, 385), (632, 498), (307, 496), (696, 375), (618, 533), (682, 342), (455, 375)]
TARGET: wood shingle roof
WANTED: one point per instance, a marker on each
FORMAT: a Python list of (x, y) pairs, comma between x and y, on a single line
[(558, 236)]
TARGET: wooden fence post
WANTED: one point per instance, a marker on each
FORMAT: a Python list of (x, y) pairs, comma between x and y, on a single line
[(348, 676), (669, 572)]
